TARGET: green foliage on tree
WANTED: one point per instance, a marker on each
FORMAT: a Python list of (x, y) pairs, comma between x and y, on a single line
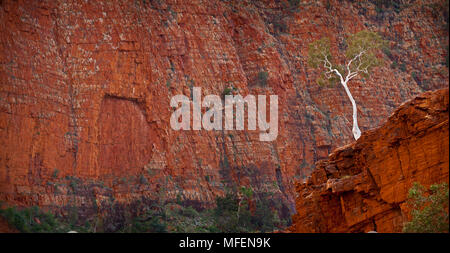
[(429, 209), (263, 218), (247, 192), (363, 46), (360, 56), (225, 213), (318, 51), (359, 59)]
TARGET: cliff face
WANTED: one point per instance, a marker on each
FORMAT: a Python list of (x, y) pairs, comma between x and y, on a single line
[(363, 186), (85, 91)]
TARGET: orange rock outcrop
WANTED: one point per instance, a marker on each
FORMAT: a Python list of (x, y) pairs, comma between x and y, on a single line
[(363, 186), (85, 90)]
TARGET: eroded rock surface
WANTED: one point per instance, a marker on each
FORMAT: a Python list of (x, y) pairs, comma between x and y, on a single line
[(363, 186), (85, 91)]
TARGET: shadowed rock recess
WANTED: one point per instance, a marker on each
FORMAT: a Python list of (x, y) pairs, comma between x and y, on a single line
[(363, 186), (85, 90)]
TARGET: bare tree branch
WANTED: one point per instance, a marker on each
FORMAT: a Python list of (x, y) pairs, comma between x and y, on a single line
[(327, 64)]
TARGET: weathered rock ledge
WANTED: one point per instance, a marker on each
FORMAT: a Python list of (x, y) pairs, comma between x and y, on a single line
[(363, 186)]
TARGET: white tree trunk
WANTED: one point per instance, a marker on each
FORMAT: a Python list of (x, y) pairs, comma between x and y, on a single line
[(355, 130)]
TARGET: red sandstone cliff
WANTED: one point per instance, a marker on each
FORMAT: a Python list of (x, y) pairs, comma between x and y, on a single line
[(363, 186), (85, 90)]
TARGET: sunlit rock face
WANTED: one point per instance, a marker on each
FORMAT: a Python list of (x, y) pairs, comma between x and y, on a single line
[(363, 186), (86, 86)]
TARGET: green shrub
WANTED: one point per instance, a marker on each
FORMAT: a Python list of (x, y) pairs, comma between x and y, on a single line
[(190, 212), (143, 179), (227, 91), (394, 65), (387, 51), (262, 78), (294, 3), (225, 205), (280, 26), (234, 215), (55, 173), (151, 222), (429, 209), (263, 218), (231, 214), (414, 75), (32, 219), (379, 10), (381, 5)]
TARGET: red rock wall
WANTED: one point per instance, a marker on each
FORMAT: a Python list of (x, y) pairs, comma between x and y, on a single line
[(363, 186), (86, 85)]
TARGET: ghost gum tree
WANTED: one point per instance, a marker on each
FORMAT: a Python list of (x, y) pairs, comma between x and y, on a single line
[(360, 58)]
